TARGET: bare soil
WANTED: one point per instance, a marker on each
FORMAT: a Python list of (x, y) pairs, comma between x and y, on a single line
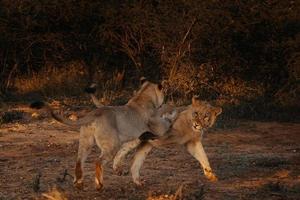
[(255, 160)]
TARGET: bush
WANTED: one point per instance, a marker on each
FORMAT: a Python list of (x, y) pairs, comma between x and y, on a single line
[(221, 50)]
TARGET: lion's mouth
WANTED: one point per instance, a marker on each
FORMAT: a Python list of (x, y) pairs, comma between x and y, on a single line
[(197, 127)]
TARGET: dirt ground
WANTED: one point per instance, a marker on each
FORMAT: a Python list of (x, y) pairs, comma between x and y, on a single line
[(255, 160)]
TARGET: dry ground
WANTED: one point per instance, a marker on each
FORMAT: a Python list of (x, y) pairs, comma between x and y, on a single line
[(256, 160)]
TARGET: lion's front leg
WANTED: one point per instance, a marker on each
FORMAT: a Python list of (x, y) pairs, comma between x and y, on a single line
[(195, 148), (210, 175)]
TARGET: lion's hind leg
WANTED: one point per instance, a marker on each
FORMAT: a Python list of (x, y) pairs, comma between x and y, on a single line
[(86, 142), (109, 144)]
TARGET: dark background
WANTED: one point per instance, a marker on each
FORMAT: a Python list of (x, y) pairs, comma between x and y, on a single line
[(243, 55)]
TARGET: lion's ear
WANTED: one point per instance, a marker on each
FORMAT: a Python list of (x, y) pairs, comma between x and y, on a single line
[(91, 89), (195, 100), (143, 80), (218, 110)]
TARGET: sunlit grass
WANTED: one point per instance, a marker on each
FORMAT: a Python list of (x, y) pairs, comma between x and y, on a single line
[(51, 80)]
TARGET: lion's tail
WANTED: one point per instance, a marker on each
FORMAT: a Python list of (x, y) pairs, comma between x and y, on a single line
[(91, 91), (58, 117)]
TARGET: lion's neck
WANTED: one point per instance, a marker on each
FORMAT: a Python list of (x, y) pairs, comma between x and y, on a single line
[(182, 119), (183, 122), (145, 109)]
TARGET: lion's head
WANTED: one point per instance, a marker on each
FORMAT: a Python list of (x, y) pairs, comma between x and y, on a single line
[(149, 93), (204, 115)]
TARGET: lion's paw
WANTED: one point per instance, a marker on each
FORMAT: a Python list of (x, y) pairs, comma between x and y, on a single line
[(120, 172), (139, 183), (99, 187), (210, 176), (78, 185)]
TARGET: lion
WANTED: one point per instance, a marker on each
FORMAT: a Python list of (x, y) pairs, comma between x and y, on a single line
[(187, 129), (111, 126)]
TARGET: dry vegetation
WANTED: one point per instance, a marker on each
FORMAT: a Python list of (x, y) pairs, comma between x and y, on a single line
[(69, 78), (244, 51)]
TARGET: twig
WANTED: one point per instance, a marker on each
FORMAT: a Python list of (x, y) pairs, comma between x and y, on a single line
[(211, 87), (178, 193), (36, 182), (10, 74), (189, 30), (65, 174), (179, 53)]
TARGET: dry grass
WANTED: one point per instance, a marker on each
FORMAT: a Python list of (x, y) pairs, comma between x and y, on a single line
[(71, 80), (54, 194), (51, 80), (108, 90), (176, 196), (204, 81)]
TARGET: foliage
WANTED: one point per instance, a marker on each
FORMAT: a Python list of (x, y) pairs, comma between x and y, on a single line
[(226, 50)]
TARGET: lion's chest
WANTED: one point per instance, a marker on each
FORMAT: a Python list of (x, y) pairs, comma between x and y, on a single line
[(183, 129)]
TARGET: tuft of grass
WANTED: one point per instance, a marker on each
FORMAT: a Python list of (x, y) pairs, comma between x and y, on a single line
[(176, 196), (110, 90), (54, 194), (199, 194)]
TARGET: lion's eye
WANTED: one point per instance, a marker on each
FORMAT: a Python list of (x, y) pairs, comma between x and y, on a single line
[(195, 114), (206, 117)]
